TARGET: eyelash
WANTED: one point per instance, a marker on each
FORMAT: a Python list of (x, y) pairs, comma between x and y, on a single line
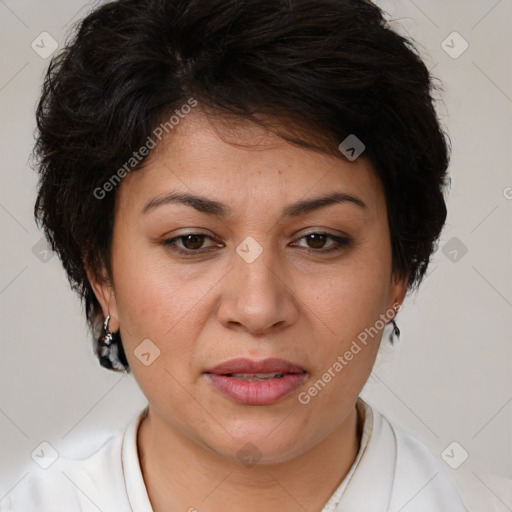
[(341, 242)]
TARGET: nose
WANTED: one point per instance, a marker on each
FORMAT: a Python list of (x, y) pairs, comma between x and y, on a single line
[(257, 296)]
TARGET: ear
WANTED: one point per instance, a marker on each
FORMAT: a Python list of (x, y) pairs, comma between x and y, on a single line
[(104, 291), (397, 291)]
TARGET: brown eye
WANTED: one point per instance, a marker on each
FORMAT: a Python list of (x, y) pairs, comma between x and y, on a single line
[(316, 240), (190, 244), (192, 241)]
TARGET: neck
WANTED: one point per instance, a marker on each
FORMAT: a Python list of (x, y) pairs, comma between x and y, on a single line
[(181, 475)]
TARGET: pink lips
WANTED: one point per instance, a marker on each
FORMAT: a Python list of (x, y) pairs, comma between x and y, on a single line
[(256, 392)]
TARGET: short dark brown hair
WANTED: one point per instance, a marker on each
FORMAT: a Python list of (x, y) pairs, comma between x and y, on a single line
[(331, 67)]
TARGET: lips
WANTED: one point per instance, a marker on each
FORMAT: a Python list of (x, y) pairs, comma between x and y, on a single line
[(251, 382), (249, 366)]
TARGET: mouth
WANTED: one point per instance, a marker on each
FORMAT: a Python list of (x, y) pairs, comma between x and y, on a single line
[(256, 376), (250, 382), (265, 367)]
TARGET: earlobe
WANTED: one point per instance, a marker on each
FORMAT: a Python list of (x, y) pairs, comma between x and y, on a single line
[(104, 292), (398, 291)]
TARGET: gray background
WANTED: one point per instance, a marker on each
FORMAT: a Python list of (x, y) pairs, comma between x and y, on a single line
[(449, 379)]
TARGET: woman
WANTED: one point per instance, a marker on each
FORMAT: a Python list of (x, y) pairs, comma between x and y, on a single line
[(242, 193)]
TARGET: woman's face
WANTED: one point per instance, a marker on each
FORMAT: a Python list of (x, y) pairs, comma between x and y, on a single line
[(271, 271)]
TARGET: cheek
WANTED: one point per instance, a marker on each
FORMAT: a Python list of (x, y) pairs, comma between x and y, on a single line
[(344, 358), (351, 303), (153, 304), (352, 313), (155, 299), (353, 296)]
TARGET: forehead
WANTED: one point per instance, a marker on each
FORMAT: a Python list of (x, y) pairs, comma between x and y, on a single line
[(240, 163)]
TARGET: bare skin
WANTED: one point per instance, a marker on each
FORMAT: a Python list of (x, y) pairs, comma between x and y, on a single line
[(294, 301)]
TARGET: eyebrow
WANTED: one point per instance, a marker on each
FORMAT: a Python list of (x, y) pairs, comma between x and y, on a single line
[(215, 208)]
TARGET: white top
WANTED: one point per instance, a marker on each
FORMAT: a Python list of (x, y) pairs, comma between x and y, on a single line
[(392, 472)]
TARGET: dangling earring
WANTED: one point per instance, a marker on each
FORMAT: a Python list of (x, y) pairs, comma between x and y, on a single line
[(394, 332), (106, 336), (110, 352)]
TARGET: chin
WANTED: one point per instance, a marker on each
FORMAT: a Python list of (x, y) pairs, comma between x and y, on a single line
[(265, 443)]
